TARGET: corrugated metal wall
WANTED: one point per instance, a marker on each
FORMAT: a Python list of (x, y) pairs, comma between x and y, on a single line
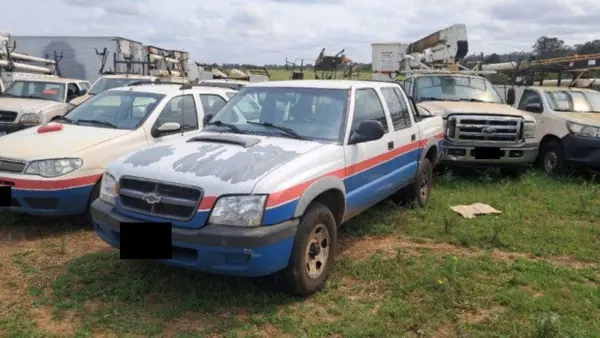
[(79, 57)]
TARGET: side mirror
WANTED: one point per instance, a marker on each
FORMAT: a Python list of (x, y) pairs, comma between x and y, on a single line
[(369, 130), (510, 96), (534, 107), (83, 92), (166, 128), (207, 119)]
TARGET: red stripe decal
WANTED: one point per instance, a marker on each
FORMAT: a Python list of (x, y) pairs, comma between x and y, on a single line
[(207, 202), (51, 184)]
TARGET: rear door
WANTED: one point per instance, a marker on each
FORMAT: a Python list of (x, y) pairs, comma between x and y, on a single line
[(182, 109), (368, 164), (404, 134)]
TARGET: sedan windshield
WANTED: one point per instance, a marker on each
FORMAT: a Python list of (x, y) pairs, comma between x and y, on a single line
[(52, 91), (455, 88), (105, 84), (301, 113), (115, 109), (573, 101)]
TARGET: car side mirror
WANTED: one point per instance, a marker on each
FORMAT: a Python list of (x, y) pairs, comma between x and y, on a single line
[(166, 128), (206, 119), (83, 92), (510, 96), (369, 130), (534, 107)]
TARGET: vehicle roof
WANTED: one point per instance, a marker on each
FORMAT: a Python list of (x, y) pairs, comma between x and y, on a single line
[(443, 73), (167, 89), (49, 79), (556, 88), (225, 81), (324, 84), (130, 76)]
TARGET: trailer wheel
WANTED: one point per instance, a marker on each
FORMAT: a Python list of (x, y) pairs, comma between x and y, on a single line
[(313, 253)]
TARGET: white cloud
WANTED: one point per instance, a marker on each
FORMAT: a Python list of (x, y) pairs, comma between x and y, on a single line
[(268, 31)]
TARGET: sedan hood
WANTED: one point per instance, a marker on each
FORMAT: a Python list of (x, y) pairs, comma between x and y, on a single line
[(28, 144), (445, 108), (218, 163)]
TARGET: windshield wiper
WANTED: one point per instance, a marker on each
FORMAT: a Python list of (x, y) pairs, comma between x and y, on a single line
[(288, 131), (229, 126), (66, 119), (8, 94), (34, 96), (431, 99), (474, 100), (103, 123)]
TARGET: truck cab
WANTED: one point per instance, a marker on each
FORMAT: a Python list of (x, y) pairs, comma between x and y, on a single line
[(481, 130), (33, 99), (568, 120), (264, 187)]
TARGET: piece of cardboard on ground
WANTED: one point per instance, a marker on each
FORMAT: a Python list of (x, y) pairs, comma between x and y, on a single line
[(470, 211)]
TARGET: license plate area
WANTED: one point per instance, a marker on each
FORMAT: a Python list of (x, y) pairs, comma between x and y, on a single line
[(488, 153)]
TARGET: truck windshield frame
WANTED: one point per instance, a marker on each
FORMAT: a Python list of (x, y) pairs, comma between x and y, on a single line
[(122, 109), (315, 114), (450, 87), (105, 84), (573, 101), (42, 90)]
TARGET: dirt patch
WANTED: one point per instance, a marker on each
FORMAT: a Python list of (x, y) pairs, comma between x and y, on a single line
[(192, 322), (478, 316), (534, 293), (67, 325), (365, 247), (445, 331)]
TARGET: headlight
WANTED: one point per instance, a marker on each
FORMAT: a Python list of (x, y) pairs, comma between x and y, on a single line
[(529, 130), (53, 167), (108, 189), (583, 130), (30, 118), (241, 210)]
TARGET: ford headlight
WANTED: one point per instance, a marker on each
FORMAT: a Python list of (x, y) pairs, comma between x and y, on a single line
[(108, 189), (30, 118), (529, 130), (583, 130), (239, 210), (53, 167)]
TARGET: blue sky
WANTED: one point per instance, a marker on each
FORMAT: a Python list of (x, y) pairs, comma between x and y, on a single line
[(268, 31)]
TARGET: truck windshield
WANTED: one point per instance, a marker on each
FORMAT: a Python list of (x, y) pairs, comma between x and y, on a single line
[(304, 113), (455, 88), (105, 84), (573, 101), (115, 109), (52, 91)]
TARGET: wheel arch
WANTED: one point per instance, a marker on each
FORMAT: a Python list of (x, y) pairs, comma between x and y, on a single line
[(330, 191)]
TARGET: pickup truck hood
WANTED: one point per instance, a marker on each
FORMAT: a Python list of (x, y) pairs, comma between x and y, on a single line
[(444, 108), (26, 105), (220, 165), (28, 144), (588, 119)]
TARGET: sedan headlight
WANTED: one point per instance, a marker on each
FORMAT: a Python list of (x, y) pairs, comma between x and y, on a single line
[(583, 130), (30, 118), (529, 129), (108, 189), (239, 210), (53, 167)]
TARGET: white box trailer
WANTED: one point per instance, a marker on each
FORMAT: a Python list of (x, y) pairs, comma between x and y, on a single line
[(386, 59)]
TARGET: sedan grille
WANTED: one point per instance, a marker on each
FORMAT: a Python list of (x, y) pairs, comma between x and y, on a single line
[(11, 166), (159, 199), (8, 116)]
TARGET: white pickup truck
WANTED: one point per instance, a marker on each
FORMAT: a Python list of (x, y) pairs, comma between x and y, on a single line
[(263, 188), (55, 170)]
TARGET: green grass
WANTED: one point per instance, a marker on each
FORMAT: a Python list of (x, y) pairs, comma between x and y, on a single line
[(529, 272)]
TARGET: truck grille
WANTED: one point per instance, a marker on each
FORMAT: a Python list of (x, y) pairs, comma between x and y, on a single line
[(160, 199), (11, 166), (485, 128), (8, 116)]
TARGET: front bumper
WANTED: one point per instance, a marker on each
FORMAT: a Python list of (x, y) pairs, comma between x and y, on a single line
[(48, 198), (582, 151), (246, 252), (7, 128), (468, 153)]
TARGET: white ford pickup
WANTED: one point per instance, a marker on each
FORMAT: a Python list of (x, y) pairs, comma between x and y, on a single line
[(264, 187), (55, 170)]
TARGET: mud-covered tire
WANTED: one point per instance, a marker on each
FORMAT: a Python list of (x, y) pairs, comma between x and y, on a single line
[(551, 158), (317, 230), (88, 209), (420, 190)]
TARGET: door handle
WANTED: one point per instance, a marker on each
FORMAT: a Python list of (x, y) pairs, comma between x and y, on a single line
[(413, 137), (390, 145)]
